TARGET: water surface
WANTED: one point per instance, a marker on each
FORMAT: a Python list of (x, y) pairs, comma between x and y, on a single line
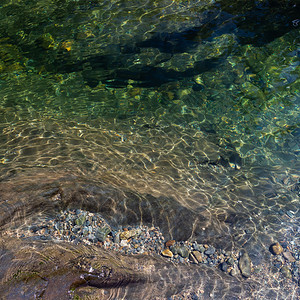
[(181, 114)]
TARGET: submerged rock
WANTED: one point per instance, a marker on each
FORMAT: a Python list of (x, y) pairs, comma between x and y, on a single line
[(245, 264), (181, 250), (276, 249), (167, 253), (102, 233)]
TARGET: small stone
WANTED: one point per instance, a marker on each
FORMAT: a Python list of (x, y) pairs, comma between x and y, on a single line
[(288, 256), (201, 248), (170, 243), (80, 221), (34, 228), (276, 249), (234, 271), (181, 250), (210, 251), (116, 238), (193, 259), (285, 271), (167, 253), (102, 233), (198, 256), (127, 234), (224, 266), (230, 261), (196, 246), (245, 264), (124, 243)]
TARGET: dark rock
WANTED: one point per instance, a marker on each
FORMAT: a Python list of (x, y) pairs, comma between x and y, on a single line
[(245, 264), (210, 251), (224, 267), (230, 261), (34, 228)]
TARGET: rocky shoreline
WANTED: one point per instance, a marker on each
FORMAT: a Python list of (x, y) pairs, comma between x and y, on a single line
[(78, 226)]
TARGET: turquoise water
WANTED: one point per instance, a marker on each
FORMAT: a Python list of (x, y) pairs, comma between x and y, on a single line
[(194, 100)]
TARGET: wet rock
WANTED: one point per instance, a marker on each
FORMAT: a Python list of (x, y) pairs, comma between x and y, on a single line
[(230, 261), (196, 246), (34, 228), (224, 266), (245, 264), (125, 235), (234, 271), (285, 271), (181, 250), (116, 237), (167, 253), (288, 256), (170, 243), (80, 221), (198, 256), (276, 249), (210, 251), (102, 233), (193, 259)]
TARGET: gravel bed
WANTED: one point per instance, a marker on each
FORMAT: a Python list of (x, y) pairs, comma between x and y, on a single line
[(79, 226)]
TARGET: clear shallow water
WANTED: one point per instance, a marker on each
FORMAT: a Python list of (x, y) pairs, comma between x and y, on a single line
[(189, 107)]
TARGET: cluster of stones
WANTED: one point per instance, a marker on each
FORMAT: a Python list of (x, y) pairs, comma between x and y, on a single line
[(229, 262), (286, 259), (79, 226)]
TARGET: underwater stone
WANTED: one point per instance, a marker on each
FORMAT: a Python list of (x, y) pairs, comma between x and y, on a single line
[(167, 253), (102, 233), (276, 249), (245, 264), (285, 271), (80, 221)]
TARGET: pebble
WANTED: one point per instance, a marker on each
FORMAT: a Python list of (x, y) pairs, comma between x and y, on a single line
[(127, 234), (276, 249), (224, 266), (170, 243), (234, 271), (197, 255), (183, 251), (285, 271), (167, 253), (210, 251), (245, 264), (288, 256)]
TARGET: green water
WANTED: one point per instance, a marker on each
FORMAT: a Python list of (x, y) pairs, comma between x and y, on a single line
[(185, 62)]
